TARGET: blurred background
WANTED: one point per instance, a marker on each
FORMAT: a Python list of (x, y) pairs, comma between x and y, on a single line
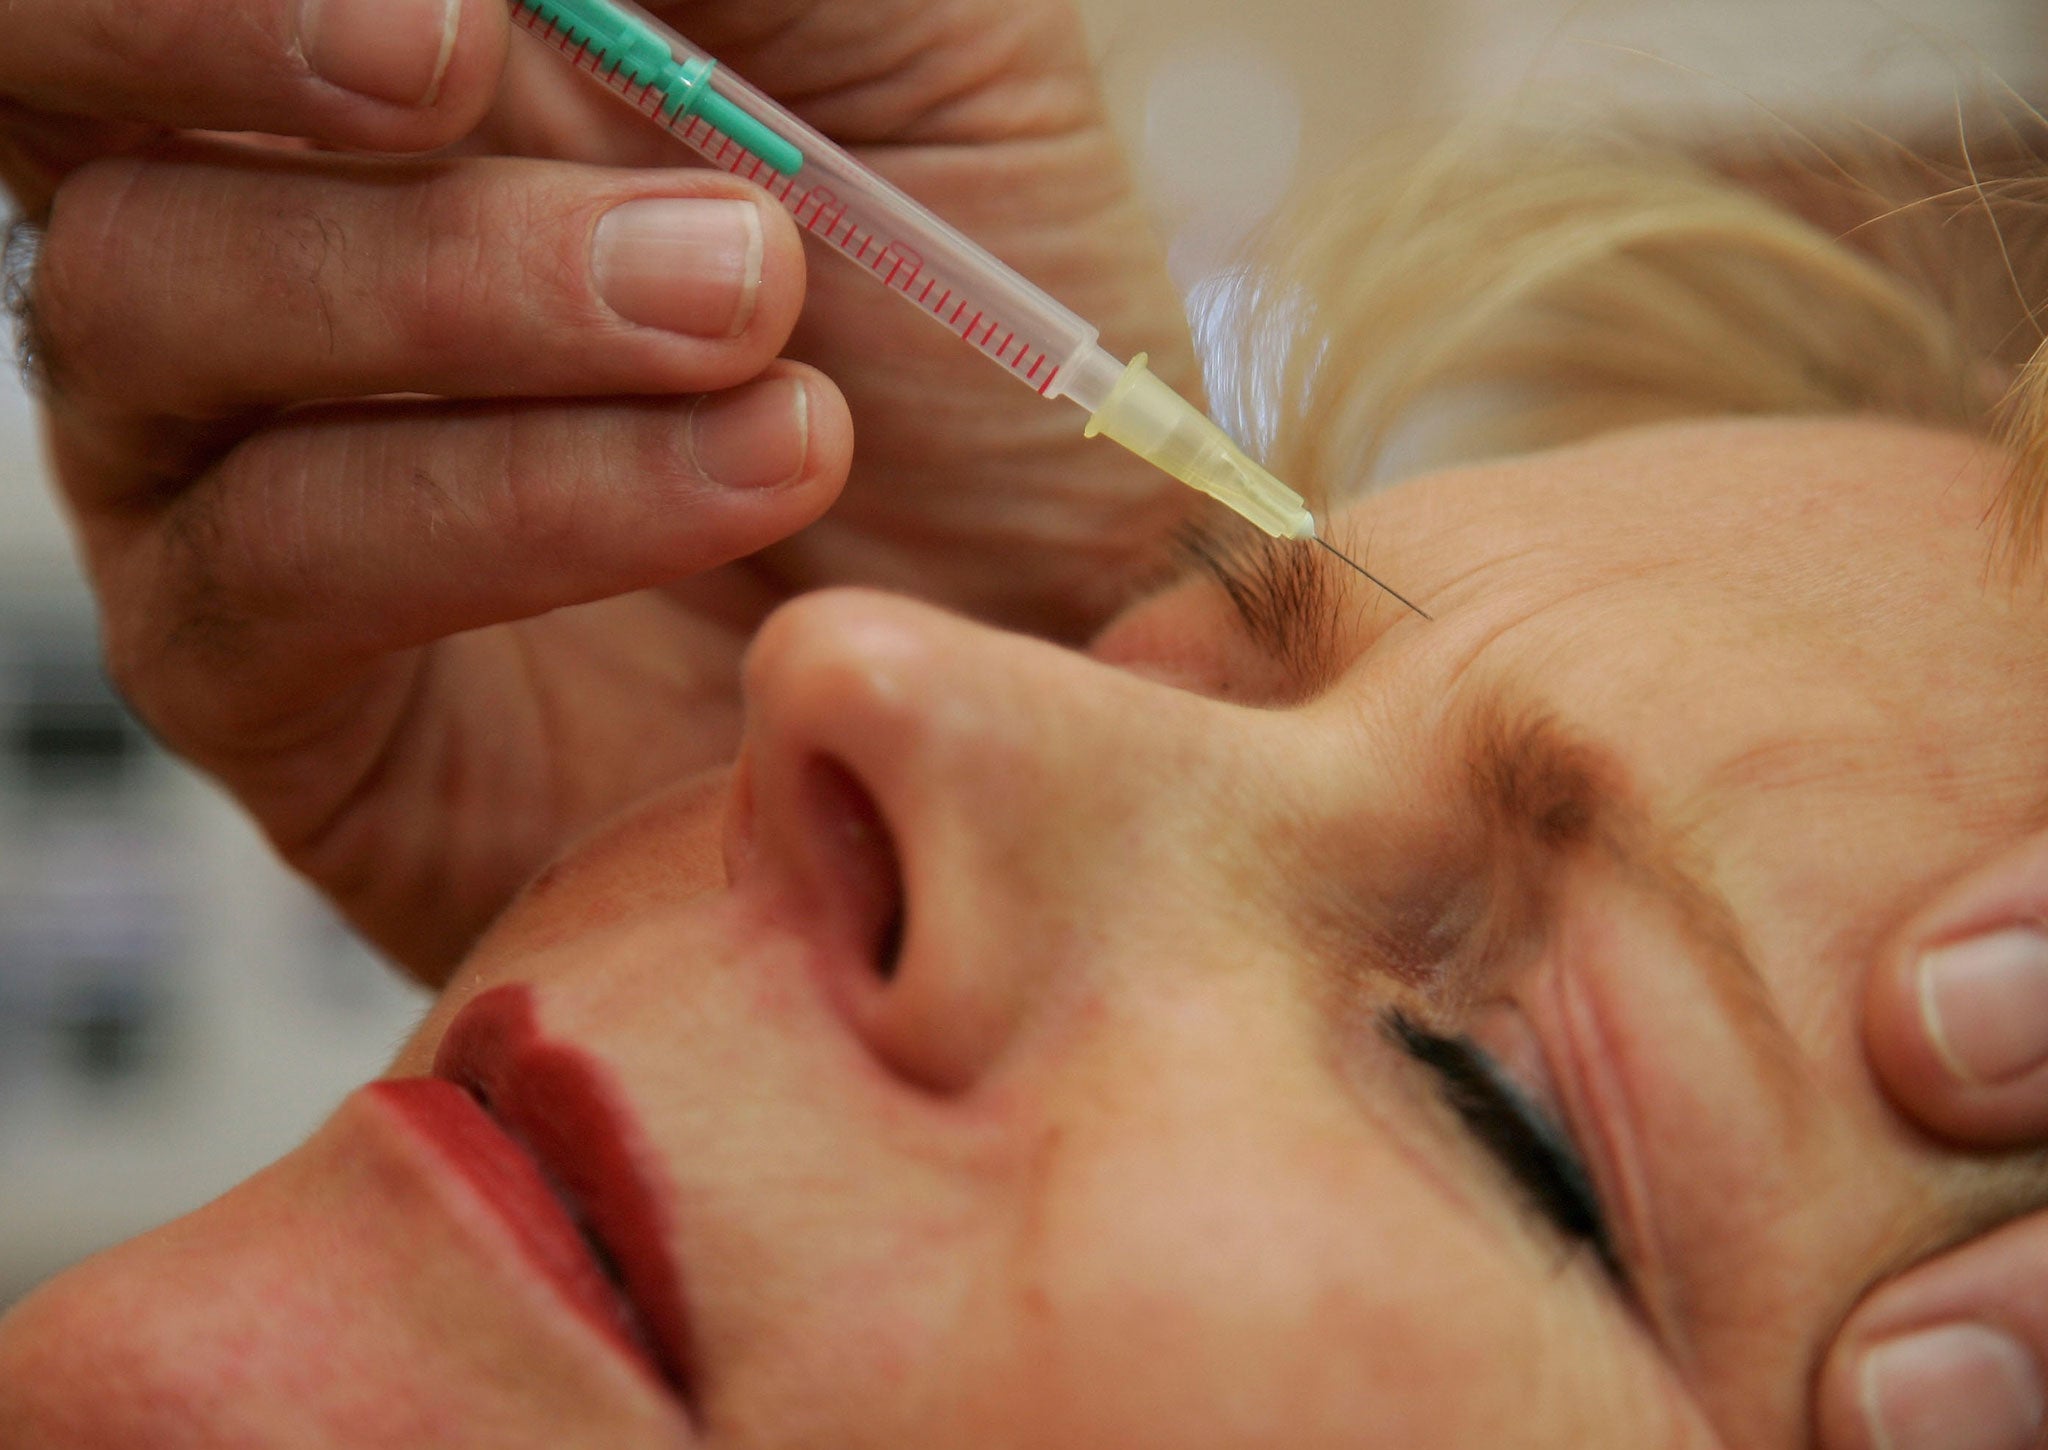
[(175, 1010)]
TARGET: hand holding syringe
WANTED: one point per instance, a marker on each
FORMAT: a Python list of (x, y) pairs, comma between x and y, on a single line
[(913, 253), (519, 453)]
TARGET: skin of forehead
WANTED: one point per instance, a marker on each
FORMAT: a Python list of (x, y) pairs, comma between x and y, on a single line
[(1846, 564), (1833, 575)]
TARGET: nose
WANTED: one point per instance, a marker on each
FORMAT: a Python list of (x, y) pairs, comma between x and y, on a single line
[(967, 827)]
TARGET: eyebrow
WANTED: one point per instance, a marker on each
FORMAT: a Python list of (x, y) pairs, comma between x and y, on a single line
[(1549, 796), (1528, 775), (1566, 795), (1526, 768), (1289, 595)]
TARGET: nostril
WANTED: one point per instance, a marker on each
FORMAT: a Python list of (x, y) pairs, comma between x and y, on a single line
[(890, 946), (864, 880)]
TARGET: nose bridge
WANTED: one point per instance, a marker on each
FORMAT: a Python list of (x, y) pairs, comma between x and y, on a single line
[(1019, 753), (1050, 818)]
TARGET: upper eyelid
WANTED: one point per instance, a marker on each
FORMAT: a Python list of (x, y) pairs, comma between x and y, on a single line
[(1563, 1188)]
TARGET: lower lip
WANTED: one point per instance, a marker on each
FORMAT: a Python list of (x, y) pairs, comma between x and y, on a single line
[(565, 1110), (477, 1149)]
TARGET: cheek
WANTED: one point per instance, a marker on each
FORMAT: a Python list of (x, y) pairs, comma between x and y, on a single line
[(1227, 1290)]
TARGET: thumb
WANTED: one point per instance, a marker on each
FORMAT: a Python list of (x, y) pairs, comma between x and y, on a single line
[(1956, 1024), (1949, 1355)]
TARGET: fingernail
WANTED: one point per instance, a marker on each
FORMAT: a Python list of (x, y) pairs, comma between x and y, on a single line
[(1959, 1387), (1984, 1002), (752, 437), (684, 266), (389, 50)]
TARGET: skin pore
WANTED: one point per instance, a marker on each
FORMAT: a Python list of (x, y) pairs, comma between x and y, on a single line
[(1294, 1024)]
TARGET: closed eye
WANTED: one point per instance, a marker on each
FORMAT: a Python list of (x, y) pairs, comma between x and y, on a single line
[(1533, 1150)]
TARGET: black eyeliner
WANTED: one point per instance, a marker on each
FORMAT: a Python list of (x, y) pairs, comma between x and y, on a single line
[(1520, 1136)]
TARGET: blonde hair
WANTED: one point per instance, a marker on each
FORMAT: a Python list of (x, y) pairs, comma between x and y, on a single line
[(1543, 288)]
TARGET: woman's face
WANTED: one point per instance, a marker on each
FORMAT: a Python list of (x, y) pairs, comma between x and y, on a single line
[(1321, 1028)]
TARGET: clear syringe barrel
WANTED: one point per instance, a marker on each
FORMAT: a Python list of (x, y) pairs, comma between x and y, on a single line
[(908, 250), (832, 196)]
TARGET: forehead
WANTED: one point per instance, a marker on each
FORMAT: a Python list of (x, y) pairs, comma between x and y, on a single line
[(1783, 511), (1787, 632), (1790, 574)]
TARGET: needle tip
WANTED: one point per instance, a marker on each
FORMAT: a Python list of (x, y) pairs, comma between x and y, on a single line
[(1376, 580)]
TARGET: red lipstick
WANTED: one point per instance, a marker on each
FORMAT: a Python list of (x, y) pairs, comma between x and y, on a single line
[(548, 1238), (587, 1155)]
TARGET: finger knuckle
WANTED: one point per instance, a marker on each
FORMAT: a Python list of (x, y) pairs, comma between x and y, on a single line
[(139, 644), (84, 269), (128, 37), (233, 557), (128, 660), (540, 493), (201, 608), (458, 276), (194, 656), (301, 272)]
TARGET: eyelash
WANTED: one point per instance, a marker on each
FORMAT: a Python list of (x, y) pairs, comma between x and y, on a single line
[(1522, 1139)]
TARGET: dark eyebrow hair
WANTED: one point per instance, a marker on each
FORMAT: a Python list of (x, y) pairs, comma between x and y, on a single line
[(1529, 776), (1529, 773), (1565, 795), (1289, 595)]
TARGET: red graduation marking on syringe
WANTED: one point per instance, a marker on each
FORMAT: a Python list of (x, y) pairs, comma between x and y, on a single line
[(817, 210)]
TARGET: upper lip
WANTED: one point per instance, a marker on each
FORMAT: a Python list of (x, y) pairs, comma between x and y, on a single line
[(563, 1108)]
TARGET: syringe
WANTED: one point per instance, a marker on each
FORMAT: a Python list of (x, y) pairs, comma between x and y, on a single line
[(928, 263)]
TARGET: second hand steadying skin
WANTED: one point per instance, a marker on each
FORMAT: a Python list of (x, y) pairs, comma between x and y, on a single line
[(929, 264)]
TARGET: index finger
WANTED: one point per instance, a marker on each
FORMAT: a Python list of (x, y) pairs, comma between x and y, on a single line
[(386, 75)]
